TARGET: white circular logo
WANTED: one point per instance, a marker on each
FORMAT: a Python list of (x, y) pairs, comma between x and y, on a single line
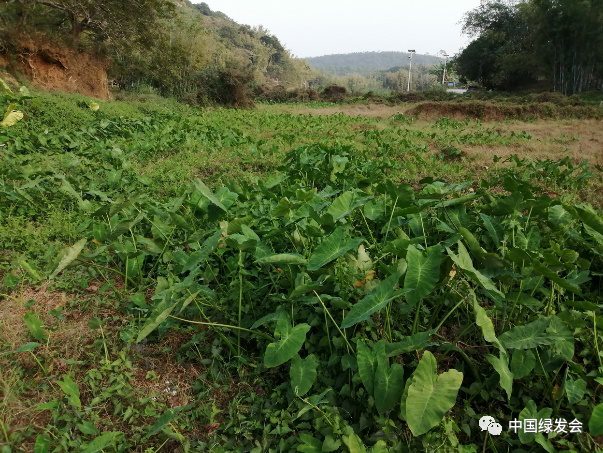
[(486, 421), (489, 423), (495, 429)]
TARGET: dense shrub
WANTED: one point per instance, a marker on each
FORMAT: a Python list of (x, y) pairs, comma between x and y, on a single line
[(280, 93), (334, 93), (224, 87)]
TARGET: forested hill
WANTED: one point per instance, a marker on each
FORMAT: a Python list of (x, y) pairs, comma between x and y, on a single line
[(171, 47), (366, 63), (244, 47)]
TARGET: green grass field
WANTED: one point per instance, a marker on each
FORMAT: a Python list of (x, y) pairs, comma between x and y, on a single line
[(296, 278)]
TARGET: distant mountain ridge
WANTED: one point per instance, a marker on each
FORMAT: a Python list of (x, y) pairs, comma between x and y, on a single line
[(365, 63)]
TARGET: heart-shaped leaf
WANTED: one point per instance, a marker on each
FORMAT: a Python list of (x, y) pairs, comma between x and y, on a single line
[(595, 425), (283, 350), (11, 118), (303, 373), (389, 385), (367, 365), (530, 412), (430, 396), (528, 336), (522, 363), (423, 272), (346, 203)]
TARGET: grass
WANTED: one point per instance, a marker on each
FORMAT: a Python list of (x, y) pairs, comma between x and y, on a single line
[(153, 149)]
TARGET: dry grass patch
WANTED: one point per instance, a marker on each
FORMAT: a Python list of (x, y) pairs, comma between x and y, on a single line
[(577, 139), (171, 381), (366, 110), (40, 301)]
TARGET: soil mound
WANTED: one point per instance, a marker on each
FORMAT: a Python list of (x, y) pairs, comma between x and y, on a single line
[(490, 111)]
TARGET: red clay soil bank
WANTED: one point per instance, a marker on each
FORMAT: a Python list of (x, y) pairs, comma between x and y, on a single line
[(60, 69)]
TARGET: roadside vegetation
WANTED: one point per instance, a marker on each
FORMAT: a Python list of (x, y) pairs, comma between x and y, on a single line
[(295, 278)]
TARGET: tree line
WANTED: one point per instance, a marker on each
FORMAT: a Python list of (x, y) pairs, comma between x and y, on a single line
[(549, 44)]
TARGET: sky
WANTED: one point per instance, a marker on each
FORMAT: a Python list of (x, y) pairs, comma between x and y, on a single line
[(312, 28)]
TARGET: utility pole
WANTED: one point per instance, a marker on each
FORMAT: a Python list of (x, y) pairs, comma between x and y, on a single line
[(445, 64), (411, 52)]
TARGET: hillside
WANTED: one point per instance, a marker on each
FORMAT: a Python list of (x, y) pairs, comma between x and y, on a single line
[(170, 48), (366, 63), (249, 48)]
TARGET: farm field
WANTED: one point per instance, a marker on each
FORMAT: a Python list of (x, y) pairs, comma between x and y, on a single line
[(296, 278)]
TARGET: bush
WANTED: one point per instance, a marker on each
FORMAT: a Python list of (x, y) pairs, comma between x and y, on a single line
[(334, 93), (280, 94), (224, 87), (557, 99)]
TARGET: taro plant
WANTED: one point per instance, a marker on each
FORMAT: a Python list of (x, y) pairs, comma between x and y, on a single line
[(374, 306), (351, 310)]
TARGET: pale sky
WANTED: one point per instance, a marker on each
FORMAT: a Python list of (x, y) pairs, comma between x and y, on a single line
[(312, 28)]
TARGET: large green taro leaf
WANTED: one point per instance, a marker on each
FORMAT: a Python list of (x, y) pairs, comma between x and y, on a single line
[(373, 302), (303, 373), (430, 395), (289, 344), (595, 425), (367, 365), (423, 272), (388, 385), (346, 203)]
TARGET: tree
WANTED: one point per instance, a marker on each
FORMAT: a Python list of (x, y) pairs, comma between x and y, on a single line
[(556, 42), (203, 8), (438, 70), (115, 20), (503, 53), (477, 61), (569, 36), (272, 42)]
